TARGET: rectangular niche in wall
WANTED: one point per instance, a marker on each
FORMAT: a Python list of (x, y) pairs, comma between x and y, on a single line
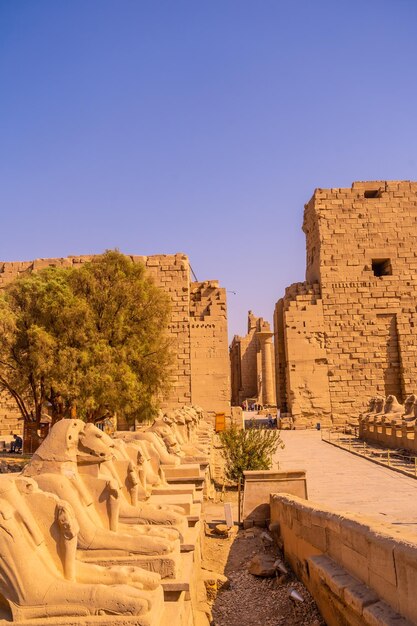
[(388, 354), (382, 267)]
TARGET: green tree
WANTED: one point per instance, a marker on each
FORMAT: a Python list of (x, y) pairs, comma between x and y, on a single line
[(41, 328), (93, 338), (127, 361), (249, 449)]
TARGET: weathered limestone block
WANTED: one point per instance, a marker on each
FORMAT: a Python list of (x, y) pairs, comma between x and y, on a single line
[(358, 571)]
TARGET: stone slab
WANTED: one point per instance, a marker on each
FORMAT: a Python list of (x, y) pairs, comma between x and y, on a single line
[(166, 566), (259, 486), (182, 581), (189, 470), (91, 620), (184, 500), (380, 614), (173, 489)]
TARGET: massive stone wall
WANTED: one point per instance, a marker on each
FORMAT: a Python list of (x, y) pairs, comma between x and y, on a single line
[(243, 364), (252, 364), (350, 331), (210, 376), (302, 377), (200, 372)]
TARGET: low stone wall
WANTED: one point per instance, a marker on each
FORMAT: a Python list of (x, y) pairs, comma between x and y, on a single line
[(389, 435), (260, 484), (359, 572)]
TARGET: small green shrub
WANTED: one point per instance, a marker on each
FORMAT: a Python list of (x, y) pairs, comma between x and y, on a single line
[(250, 449)]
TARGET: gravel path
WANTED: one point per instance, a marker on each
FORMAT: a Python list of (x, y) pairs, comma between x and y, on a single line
[(250, 600)]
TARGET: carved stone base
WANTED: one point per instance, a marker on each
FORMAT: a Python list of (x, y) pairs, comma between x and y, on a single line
[(167, 566)]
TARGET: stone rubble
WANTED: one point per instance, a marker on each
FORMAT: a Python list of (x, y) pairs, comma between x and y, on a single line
[(251, 600)]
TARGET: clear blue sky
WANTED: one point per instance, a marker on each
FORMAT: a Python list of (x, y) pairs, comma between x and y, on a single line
[(200, 126)]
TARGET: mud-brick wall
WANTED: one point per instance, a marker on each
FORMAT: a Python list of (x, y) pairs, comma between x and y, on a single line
[(10, 421), (210, 372)]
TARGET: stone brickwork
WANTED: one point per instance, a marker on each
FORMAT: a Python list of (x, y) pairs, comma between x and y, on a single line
[(10, 421), (302, 373), (252, 364), (389, 435), (350, 331), (210, 386), (358, 571), (210, 376)]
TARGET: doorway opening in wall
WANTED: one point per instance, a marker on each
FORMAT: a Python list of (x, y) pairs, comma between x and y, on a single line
[(382, 267)]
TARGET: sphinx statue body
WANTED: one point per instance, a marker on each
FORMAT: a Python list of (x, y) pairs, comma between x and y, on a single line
[(377, 410), (40, 576), (409, 408), (95, 501), (155, 445), (393, 411), (369, 410), (175, 425), (130, 467)]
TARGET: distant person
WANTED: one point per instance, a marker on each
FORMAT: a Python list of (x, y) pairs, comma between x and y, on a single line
[(270, 420), (16, 445)]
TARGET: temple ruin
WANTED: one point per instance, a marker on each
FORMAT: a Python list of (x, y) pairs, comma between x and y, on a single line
[(349, 331), (198, 328), (252, 364)]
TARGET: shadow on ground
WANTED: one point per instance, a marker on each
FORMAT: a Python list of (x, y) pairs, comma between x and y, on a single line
[(250, 600)]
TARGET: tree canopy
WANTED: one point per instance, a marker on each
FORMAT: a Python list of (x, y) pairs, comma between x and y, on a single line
[(91, 340)]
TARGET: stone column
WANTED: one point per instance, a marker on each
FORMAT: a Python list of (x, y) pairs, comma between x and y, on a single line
[(267, 359)]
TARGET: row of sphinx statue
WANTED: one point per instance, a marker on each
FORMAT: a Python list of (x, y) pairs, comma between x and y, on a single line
[(391, 412), (81, 540)]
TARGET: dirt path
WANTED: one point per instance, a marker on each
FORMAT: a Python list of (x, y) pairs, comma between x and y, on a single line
[(250, 600)]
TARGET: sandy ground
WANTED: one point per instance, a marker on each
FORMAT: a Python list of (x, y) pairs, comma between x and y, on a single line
[(250, 600)]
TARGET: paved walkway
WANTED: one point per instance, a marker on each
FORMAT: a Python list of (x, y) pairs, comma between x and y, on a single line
[(348, 483)]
